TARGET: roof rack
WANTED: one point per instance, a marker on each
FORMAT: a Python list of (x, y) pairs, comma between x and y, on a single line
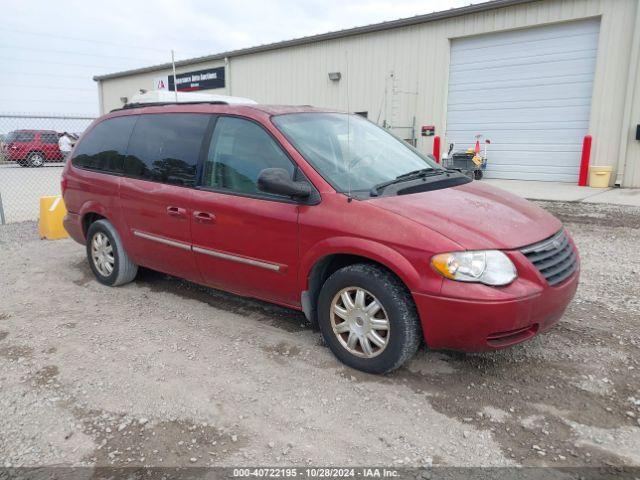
[(164, 104), (166, 97)]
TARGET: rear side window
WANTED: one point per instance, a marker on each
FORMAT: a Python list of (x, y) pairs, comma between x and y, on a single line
[(105, 146), (20, 137), (165, 147), (49, 138)]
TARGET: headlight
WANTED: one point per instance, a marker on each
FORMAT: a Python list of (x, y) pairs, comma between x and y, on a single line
[(490, 267)]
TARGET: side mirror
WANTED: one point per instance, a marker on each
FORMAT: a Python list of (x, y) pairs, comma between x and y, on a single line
[(279, 182)]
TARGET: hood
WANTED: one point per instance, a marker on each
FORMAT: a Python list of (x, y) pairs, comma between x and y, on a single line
[(476, 216)]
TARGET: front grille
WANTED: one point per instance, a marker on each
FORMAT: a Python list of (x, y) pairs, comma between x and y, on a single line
[(555, 258)]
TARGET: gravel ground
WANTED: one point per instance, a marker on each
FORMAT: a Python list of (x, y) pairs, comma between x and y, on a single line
[(161, 372)]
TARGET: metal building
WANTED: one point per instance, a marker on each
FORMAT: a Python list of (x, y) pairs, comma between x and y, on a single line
[(534, 76)]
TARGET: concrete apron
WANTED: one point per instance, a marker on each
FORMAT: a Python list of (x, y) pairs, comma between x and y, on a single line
[(568, 192)]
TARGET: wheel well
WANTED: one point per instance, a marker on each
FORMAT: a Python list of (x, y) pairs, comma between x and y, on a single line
[(322, 270), (88, 219)]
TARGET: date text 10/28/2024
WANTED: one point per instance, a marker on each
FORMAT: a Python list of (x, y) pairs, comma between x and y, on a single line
[(315, 472)]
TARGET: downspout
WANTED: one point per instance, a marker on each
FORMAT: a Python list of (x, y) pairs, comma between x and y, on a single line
[(628, 101), (227, 73)]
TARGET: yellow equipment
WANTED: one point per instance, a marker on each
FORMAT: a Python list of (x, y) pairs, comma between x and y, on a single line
[(52, 211), (600, 176)]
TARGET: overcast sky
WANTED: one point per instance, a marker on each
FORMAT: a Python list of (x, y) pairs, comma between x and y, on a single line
[(49, 51)]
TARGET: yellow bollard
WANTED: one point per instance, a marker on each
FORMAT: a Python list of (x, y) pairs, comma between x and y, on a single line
[(52, 211)]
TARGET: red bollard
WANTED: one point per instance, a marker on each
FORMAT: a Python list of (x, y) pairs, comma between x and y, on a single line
[(584, 162), (436, 148)]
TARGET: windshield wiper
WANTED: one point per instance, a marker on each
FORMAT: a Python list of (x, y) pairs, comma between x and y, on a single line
[(415, 173), (424, 172)]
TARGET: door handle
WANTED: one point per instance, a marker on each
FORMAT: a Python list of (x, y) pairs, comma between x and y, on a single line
[(204, 217), (176, 212)]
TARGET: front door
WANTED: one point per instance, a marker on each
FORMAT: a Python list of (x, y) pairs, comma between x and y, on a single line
[(157, 187), (244, 240)]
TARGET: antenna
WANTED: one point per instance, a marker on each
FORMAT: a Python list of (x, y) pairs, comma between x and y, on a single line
[(175, 80), (349, 198)]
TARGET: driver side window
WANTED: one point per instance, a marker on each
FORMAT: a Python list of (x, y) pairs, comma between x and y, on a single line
[(240, 149)]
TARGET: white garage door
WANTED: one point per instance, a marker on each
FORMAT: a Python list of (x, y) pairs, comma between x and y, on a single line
[(529, 92)]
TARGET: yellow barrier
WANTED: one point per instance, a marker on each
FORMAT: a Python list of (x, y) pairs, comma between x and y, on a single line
[(52, 211)]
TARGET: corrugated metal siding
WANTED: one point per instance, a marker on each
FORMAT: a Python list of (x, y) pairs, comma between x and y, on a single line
[(390, 75), (419, 58), (630, 148), (616, 33), (632, 164)]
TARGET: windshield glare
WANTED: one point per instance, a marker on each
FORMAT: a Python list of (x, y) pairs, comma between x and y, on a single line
[(353, 154)]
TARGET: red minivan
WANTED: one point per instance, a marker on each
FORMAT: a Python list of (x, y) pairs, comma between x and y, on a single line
[(323, 212)]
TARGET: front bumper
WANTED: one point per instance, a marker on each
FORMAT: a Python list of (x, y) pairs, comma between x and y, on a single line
[(481, 324)]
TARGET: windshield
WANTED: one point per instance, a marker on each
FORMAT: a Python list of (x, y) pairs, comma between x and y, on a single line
[(353, 155)]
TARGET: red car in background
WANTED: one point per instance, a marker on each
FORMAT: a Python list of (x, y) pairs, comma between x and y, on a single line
[(32, 148)]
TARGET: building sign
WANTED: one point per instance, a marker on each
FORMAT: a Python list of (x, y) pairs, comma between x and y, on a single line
[(198, 80), (192, 81)]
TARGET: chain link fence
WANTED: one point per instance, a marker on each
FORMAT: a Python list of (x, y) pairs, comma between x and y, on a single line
[(33, 149)]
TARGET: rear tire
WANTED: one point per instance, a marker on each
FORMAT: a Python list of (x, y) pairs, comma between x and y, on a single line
[(35, 159), (376, 328), (107, 258)]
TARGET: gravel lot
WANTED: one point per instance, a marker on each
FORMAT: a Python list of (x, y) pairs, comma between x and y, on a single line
[(21, 189), (165, 373)]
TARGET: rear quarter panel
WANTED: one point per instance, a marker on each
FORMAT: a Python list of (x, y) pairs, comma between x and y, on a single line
[(18, 150), (93, 192)]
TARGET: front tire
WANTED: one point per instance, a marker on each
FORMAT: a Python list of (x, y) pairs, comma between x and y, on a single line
[(368, 319), (107, 258)]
